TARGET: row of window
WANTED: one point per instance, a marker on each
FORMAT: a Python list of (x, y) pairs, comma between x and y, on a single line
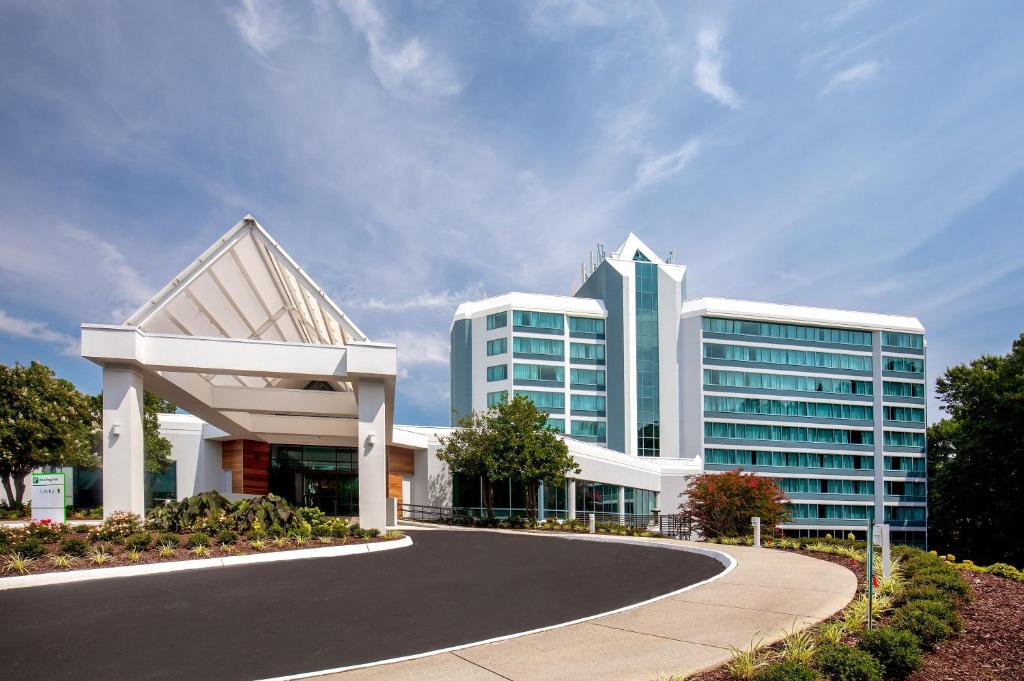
[(747, 457), (753, 431), (594, 429), (893, 339), (537, 320), (900, 438), (743, 379), (898, 389), (824, 486), (909, 414), (593, 403), (547, 321), (841, 512), (552, 400), (820, 410), (538, 346), (907, 365), (905, 464), (587, 351), (807, 358), (787, 331), (538, 372), (905, 488)]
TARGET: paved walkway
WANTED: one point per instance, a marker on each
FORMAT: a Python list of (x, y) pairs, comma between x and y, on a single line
[(767, 591)]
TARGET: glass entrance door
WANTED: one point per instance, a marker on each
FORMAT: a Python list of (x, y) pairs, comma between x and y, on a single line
[(320, 477)]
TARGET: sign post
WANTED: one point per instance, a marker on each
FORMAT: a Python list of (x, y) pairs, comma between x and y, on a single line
[(48, 501)]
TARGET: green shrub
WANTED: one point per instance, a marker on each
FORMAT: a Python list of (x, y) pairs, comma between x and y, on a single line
[(45, 531), (256, 535), (1005, 570), (932, 622), (227, 537), (842, 663), (30, 547), (198, 539), (74, 547), (786, 671), (118, 526), (140, 541), (164, 517), (897, 650), (270, 511), (209, 511), (927, 592), (168, 539)]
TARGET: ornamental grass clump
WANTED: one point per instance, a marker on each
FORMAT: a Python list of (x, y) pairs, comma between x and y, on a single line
[(61, 561), (831, 633), (18, 563), (897, 650), (165, 551), (99, 555), (798, 646), (744, 663), (132, 556)]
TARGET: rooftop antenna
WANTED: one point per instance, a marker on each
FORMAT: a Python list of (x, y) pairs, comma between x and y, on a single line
[(590, 255), (583, 274), (671, 256)]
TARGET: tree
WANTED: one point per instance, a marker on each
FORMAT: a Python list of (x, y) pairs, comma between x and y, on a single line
[(976, 460), (509, 441), (723, 503), (156, 448), (44, 421)]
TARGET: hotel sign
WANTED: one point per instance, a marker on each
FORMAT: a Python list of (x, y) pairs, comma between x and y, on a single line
[(48, 501)]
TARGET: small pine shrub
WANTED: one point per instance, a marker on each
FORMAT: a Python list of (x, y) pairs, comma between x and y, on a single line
[(786, 671), (168, 539), (842, 663), (31, 547), (74, 547), (950, 582), (140, 541), (1004, 570), (897, 650), (932, 622), (198, 539), (227, 537)]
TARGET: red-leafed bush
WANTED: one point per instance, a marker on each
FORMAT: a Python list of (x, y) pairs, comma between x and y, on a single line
[(723, 503)]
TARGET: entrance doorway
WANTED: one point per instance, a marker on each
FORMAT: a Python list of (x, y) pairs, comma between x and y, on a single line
[(320, 477)]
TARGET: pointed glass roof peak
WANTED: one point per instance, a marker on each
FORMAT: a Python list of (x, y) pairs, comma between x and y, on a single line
[(640, 257)]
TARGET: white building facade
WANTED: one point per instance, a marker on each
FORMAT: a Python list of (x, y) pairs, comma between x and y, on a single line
[(829, 403)]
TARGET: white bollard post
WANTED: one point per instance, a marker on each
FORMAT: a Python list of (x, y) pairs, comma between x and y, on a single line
[(592, 523), (882, 538), (756, 522)]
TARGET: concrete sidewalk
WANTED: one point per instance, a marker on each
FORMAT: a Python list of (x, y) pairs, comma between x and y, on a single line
[(767, 592)]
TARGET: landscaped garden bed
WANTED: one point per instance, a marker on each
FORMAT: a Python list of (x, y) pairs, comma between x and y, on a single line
[(204, 526)]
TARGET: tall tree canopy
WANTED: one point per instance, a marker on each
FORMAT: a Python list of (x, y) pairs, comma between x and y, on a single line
[(976, 460), (509, 441), (44, 421)]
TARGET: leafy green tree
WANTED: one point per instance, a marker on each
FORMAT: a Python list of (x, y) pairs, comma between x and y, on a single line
[(723, 503), (44, 421), (976, 460), (509, 441)]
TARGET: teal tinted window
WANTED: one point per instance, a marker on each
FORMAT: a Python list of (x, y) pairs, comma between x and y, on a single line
[(543, 399), (320, 477), (557, 425), (816, 384), (591, 351), (498, 372), (497, 320), (595, 497), (648, 410), (893, 339), (538, 346), (820, 334), (897, 389), (595, 403), (746, 457), (538, 372), (905, 513), (586, 325), (910, 464), (821, 410), (825, 486), (752, 431), (905, 488), (909, 365), (593, 377), (589, 429), (900, 438), (909, 414), (829, 511), (825, 360), (537, 320), (498, 346), (496, 398)]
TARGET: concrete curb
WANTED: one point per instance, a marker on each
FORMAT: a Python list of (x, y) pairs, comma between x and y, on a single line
[(51, 578)]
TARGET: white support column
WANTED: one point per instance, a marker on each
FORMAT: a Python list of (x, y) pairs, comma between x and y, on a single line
[(622, 505), (123, 453), (373, 466), (571, 500)]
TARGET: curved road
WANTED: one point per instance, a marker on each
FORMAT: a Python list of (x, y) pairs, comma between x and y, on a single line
[(274, 619)]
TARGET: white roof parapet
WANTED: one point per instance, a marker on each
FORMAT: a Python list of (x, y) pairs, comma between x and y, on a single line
[(539, 302), (776, 312)]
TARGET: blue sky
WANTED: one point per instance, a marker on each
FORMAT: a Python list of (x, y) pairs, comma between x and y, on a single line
[(411, 155)]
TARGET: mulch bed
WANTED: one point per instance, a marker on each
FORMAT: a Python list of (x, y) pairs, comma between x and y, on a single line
[(119, 553), (991, 647)]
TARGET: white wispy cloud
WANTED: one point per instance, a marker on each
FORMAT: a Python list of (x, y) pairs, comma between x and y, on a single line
[(657, 168), (261, 23), (416, 348), (406, 68), (425, 300), (854, 76), (106, 260), (707, 71), (38, 331)]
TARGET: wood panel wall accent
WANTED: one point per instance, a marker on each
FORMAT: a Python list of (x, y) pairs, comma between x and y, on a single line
[(249, 463), (401, 462)]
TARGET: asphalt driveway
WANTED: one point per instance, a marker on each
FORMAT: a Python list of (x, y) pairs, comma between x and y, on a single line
[(273, 619)]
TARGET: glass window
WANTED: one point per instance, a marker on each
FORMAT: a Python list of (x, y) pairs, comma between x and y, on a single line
[(586, 325), (321, 477), (893, 339), (745, 457), (589, 429), (829, 511), (497, 320), (763, 355), (557, 425), (544, 399), (496, 398), (908, 365), (905, 513), (897, 389), (595, 497), (498, 346), (589, 351), (818, 384), (910, 464), (498, 372), (538, 372), (740, 327), (900, 438), (753, 431), (648, 409), (160, 487), (909, 414), (537, 320), (593, 377), (820, 410), (594, 403), (538, 346)]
